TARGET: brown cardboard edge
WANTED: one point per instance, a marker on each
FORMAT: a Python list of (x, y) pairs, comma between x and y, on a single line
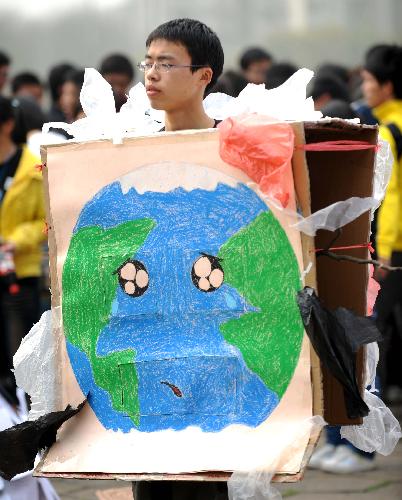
[(157, 137), (55, 292), (196, 476), (303, 196)]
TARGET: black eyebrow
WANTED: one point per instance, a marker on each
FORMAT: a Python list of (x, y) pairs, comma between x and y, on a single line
[(219, 259), (161, 58)]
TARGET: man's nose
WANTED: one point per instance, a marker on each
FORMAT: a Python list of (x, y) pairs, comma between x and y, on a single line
[(152, 74)]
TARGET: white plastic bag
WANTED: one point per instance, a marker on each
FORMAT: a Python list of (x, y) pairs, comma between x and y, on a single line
[(380, 430), (286, 102)]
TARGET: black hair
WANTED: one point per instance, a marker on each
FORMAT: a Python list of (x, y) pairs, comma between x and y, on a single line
[(330, 69), (75, 76), (22, 79), (278, 73), (4, 59), (384, 62), (230, 83), (336, 108), (202, 44), (29, 116), (117, 63), (56, 79), (9, 111), (254, 54), (329, 85), (25, 112), (6, 110)]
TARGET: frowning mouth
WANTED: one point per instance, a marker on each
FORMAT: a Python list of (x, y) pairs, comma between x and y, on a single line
[(176, 391), (151, 91)]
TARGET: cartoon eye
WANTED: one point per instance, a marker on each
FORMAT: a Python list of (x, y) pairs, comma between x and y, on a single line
[(207, 273), (133, 278)]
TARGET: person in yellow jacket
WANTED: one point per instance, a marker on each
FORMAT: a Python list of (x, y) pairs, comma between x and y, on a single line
[(382, 89), (22, 217)]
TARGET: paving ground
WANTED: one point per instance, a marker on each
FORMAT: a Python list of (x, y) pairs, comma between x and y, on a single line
[(384, 483)]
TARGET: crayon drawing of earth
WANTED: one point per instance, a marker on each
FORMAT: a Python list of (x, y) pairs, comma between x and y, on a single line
[(179, 302)]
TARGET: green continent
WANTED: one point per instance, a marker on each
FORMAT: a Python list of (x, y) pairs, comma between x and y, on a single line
[(260, 263), (89, 288)]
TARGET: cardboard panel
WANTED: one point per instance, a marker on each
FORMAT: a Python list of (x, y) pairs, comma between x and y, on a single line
[(85, 447), (336, 176)]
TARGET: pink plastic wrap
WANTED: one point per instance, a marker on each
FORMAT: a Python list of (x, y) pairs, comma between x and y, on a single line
[(262, 147), (372, 291)]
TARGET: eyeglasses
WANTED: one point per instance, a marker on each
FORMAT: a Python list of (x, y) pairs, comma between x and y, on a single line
[(165, 67)]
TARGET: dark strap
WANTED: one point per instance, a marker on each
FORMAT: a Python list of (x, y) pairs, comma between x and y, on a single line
[(397, 135)]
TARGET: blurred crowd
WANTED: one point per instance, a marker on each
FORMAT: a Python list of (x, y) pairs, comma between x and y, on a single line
[(371, 92)]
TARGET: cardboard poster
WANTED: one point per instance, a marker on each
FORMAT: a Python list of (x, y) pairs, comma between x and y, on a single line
[(180, 324)]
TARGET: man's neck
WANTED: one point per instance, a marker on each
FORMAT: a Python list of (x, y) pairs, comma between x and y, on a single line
[(7, 149), (187, 119)]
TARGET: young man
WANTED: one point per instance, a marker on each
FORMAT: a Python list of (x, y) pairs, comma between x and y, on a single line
[(382, 89), (183, 61)]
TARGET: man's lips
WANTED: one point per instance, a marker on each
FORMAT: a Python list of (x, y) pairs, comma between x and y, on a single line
[(151, 91)]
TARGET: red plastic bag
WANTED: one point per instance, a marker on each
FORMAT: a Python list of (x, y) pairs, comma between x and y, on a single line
[(262, 147)]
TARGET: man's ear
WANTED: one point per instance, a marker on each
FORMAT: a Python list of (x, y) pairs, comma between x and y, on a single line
[(388, 89), (206, 75)]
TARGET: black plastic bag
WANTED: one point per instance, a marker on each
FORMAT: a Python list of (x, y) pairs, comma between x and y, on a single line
[(20, 444), (336, 337)]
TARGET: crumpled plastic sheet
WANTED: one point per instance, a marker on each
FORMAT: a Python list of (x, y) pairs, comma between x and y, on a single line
[(136, 116), (36, 368), (262, 147), (286, 102), (336, 215), (372, 354), (382, 173), (256, 484), (380, 430)]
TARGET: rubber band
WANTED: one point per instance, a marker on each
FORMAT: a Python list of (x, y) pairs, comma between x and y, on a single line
[(349, 247), (337, 146)]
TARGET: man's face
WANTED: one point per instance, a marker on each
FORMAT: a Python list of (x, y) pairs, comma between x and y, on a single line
[(375, 92), (31, 90), (178, 88), (3, 76), (257, 71)]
